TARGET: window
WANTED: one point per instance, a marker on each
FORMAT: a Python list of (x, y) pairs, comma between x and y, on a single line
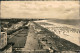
[(2, 41), (2, 36), (5, 39)]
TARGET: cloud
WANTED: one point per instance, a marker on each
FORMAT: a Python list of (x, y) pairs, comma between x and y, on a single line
[(46, 9)]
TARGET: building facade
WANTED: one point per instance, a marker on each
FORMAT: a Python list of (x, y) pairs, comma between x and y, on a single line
[(3, 39), (4, 46)]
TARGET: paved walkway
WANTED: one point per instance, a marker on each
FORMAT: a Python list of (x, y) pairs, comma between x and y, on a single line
[(32, 42)]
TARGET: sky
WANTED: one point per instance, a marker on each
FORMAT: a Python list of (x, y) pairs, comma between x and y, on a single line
[(40, 9)]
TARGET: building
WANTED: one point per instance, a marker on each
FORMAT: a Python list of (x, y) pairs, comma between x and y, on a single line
[(4, 46), (3, 39)]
